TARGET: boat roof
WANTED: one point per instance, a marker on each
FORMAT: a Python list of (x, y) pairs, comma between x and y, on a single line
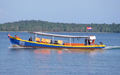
[(56, 35)]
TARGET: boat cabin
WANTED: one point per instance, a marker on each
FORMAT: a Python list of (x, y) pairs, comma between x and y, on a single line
[(89, 40)]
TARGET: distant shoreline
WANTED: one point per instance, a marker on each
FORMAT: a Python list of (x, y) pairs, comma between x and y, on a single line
[(58, 32), (34, 25)]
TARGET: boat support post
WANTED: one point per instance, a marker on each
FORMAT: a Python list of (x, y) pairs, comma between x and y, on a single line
[(53, 39), (87, 40), (35, 35), (70, 41)]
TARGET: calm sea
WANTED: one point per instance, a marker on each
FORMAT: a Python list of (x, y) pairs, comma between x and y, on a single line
[(19, 61)]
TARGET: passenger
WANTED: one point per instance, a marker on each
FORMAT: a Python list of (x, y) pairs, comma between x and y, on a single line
[(55, 42), (88, 41), (30, 39), (85, 41), (51, 42), (101, 43), (93, 41), (17, 37)]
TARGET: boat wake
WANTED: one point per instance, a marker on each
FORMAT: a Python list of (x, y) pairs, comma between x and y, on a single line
[(65, 49), (17, 47), (112, 47)]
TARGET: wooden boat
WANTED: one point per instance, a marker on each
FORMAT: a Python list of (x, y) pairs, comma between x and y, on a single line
[(49, 43)]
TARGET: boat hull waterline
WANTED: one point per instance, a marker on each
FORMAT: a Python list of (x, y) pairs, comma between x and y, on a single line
[(25, 43)]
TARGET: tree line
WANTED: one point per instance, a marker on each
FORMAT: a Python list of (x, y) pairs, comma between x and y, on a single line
[(44, 26)]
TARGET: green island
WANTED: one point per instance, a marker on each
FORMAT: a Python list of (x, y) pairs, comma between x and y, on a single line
[(45, 26)]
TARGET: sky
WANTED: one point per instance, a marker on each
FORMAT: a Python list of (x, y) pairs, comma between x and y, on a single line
[(62, 11)]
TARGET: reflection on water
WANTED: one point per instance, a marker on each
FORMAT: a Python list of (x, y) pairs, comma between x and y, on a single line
[(42, 51), (48, 51), (54, 61)]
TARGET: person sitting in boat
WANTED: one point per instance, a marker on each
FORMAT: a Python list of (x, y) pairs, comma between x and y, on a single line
[(51, 42), (55, 42), (101, 43), (30, 39), (17, 37)]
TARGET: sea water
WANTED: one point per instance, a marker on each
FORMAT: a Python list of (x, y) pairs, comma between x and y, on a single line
[(41, 61)]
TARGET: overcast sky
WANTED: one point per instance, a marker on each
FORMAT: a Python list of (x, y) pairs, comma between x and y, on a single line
[(63, 11)]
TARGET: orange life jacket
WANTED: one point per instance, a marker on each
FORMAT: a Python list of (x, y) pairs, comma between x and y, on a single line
[(17, 37)]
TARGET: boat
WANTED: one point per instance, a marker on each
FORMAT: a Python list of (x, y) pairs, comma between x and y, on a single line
[(52, 44)]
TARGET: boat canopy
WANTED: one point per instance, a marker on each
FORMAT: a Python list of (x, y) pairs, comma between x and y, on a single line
[(56, 35)]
